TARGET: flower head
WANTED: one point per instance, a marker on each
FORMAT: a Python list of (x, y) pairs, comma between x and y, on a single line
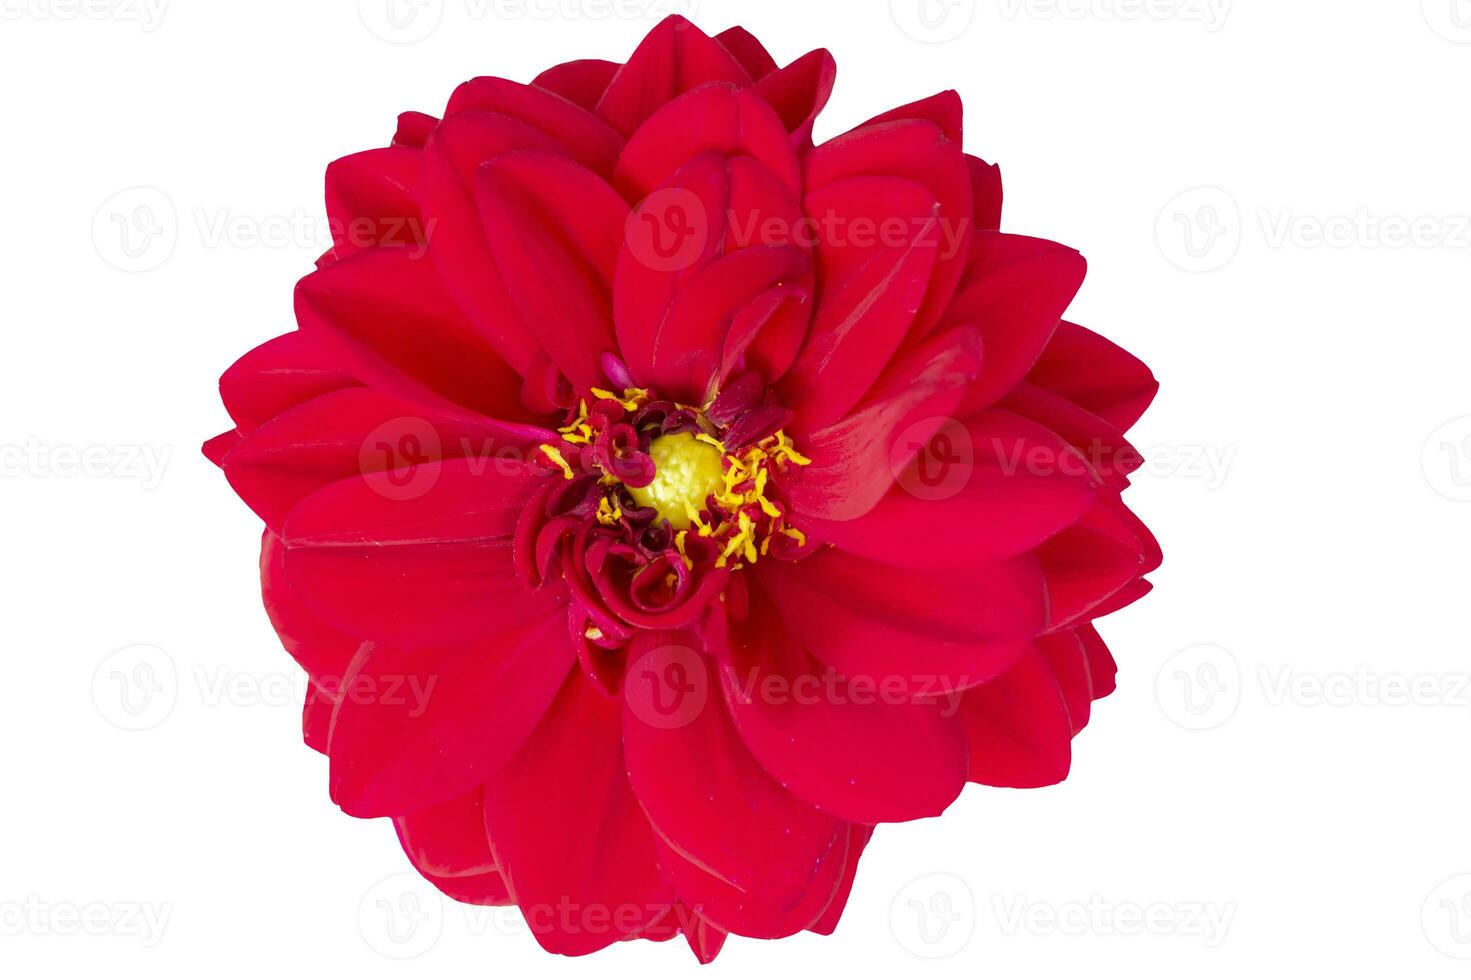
[(659, 501)]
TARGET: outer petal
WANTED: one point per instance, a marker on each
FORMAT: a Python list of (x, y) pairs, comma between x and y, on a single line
[(919, 150), (372, 199), (385, 317), (448, 846), (855, 461), (675, 57), (1096, 374), (876, 248), (857, 840), (845, 745), (721, 117), (799, 92), (415, 727), (582, 82), (323, 652), (1015, 289), (359, 432), (715, 806), (1018, 726), (994, 486), (579, 133), (284, 371), (922, 633), (420, 571), (553, 230), (568, 833), (746, 49)]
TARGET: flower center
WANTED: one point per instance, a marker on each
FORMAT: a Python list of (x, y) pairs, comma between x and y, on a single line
[(688, 470)]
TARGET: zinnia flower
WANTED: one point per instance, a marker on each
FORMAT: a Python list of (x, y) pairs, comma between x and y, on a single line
[(658, 501)]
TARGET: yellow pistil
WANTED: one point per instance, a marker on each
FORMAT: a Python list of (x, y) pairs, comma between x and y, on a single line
[(687, 470)]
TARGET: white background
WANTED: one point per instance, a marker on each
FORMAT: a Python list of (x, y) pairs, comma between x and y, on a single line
[(1280, 783)]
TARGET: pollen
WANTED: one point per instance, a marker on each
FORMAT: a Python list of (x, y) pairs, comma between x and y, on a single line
[(687, 471)]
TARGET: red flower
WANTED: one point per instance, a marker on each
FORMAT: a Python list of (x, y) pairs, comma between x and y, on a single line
[(658, 502)]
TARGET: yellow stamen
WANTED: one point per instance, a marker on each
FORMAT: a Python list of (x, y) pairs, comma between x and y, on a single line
[(555, 455)]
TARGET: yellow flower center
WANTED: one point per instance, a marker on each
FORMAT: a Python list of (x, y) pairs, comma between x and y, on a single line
[(687, 470)]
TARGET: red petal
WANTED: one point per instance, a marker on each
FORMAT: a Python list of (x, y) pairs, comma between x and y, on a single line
[(372, 199), (745, 48), (569, 834), (457, 243), (1068, 661), (1018, 727), (358, 431), (448, 839), (1090, 562), (944, 109), (855, 462), (799, 92), (582, 82), (415, 727), (675, 57), (1096, 374), (711, 801), (280, 373), (858, 840), (414, 129), (387, 320), (553, 239), (992, 487), (876, 248), (720, 117), (1102, 670), (851, 749), (985, 185), (578, 133), (323, 652), (919, 151), (1015, 290), (1105, 448), (924, 632), (432, 568)]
